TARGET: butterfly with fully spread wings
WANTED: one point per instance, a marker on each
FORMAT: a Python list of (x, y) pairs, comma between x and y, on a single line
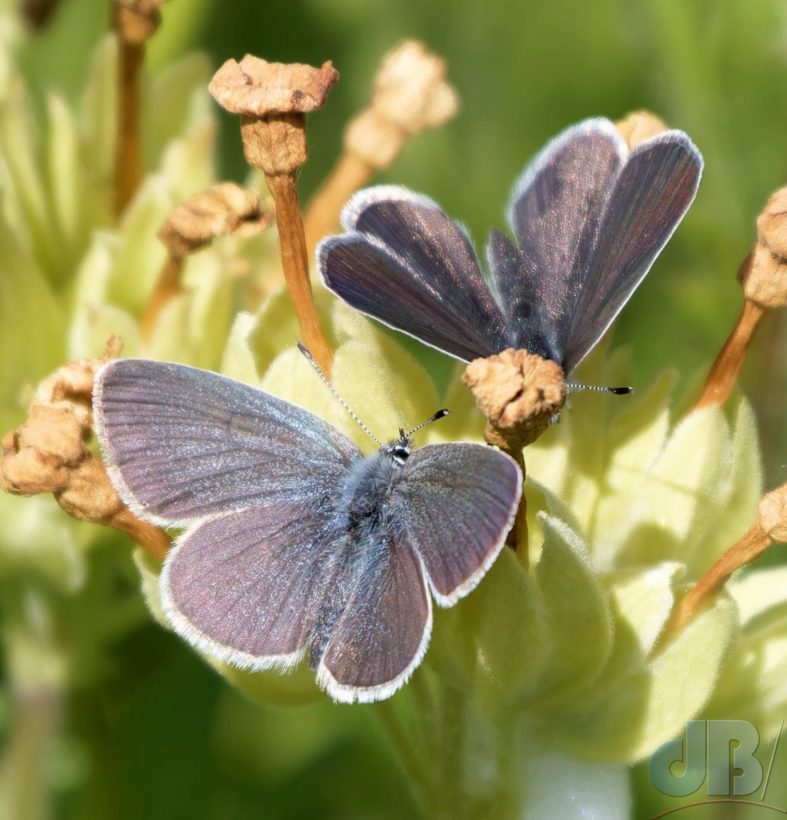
[(295, 543), (589, 217)]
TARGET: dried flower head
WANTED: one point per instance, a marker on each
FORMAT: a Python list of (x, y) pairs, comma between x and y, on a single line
[(136, 21), (410, 94), (639, 126), (48, 454), (255, 88), (764, 273), (272, 100), (224, 209), (518, 392), (763, 277)]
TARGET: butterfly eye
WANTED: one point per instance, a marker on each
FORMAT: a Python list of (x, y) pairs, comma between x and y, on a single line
[(400, 453)]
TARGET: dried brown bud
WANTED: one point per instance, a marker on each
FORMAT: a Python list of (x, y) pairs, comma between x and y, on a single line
[(764, 278), (773, 515), (48, 454), (136, 21), (410, 95), (256, 88), (764, 272), (639, 126), (224, 209), (410, 88), (518, 392), (272, 99), (772, 224)]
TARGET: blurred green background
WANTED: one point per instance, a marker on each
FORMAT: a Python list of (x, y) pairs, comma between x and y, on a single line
[(159, 735)]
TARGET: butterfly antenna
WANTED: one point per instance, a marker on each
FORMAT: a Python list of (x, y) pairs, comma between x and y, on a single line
[(438, 415), (316, 368), (574, 387)]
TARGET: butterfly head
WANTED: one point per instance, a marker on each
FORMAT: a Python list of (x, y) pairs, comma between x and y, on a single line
[(399, 451)]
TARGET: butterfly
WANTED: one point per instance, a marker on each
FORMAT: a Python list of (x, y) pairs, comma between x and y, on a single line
[(589, 217), (295, 542)]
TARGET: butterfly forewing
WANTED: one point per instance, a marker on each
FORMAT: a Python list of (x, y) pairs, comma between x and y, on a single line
[(407, 264), (456, 503), (651, 196), (555, 213), (183, 443)]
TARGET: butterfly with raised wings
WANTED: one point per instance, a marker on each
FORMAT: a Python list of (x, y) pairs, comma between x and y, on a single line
[(296, 543), (589, 217)]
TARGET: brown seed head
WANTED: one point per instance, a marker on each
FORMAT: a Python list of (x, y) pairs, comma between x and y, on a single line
[(773, 515), (772, 224), (273, 100), (518, 392), (639, 126), (224, 209), (257, 88), (136, 21), (764, 272), (410, 88), (410, 94), (48, 454)]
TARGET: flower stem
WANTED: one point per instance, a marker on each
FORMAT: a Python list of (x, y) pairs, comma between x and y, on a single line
[(289, 223), (754, 542), (168, 285), (727, 367), (519, 533), (128, 154), (322, 215)]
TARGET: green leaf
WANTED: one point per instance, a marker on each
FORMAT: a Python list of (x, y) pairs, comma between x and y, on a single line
[(465, 421), (753, 683), (636, 437), (92, 326), (576, 613), (732, 505), (637, 704), (32, 325), (238, 359), (99, 110), (141, 255), (506, 619), (643, 598)]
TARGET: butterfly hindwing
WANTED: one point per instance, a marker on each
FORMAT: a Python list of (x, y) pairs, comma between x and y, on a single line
[(555, 212), (456, 503), (383, 632), (245, 587)]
